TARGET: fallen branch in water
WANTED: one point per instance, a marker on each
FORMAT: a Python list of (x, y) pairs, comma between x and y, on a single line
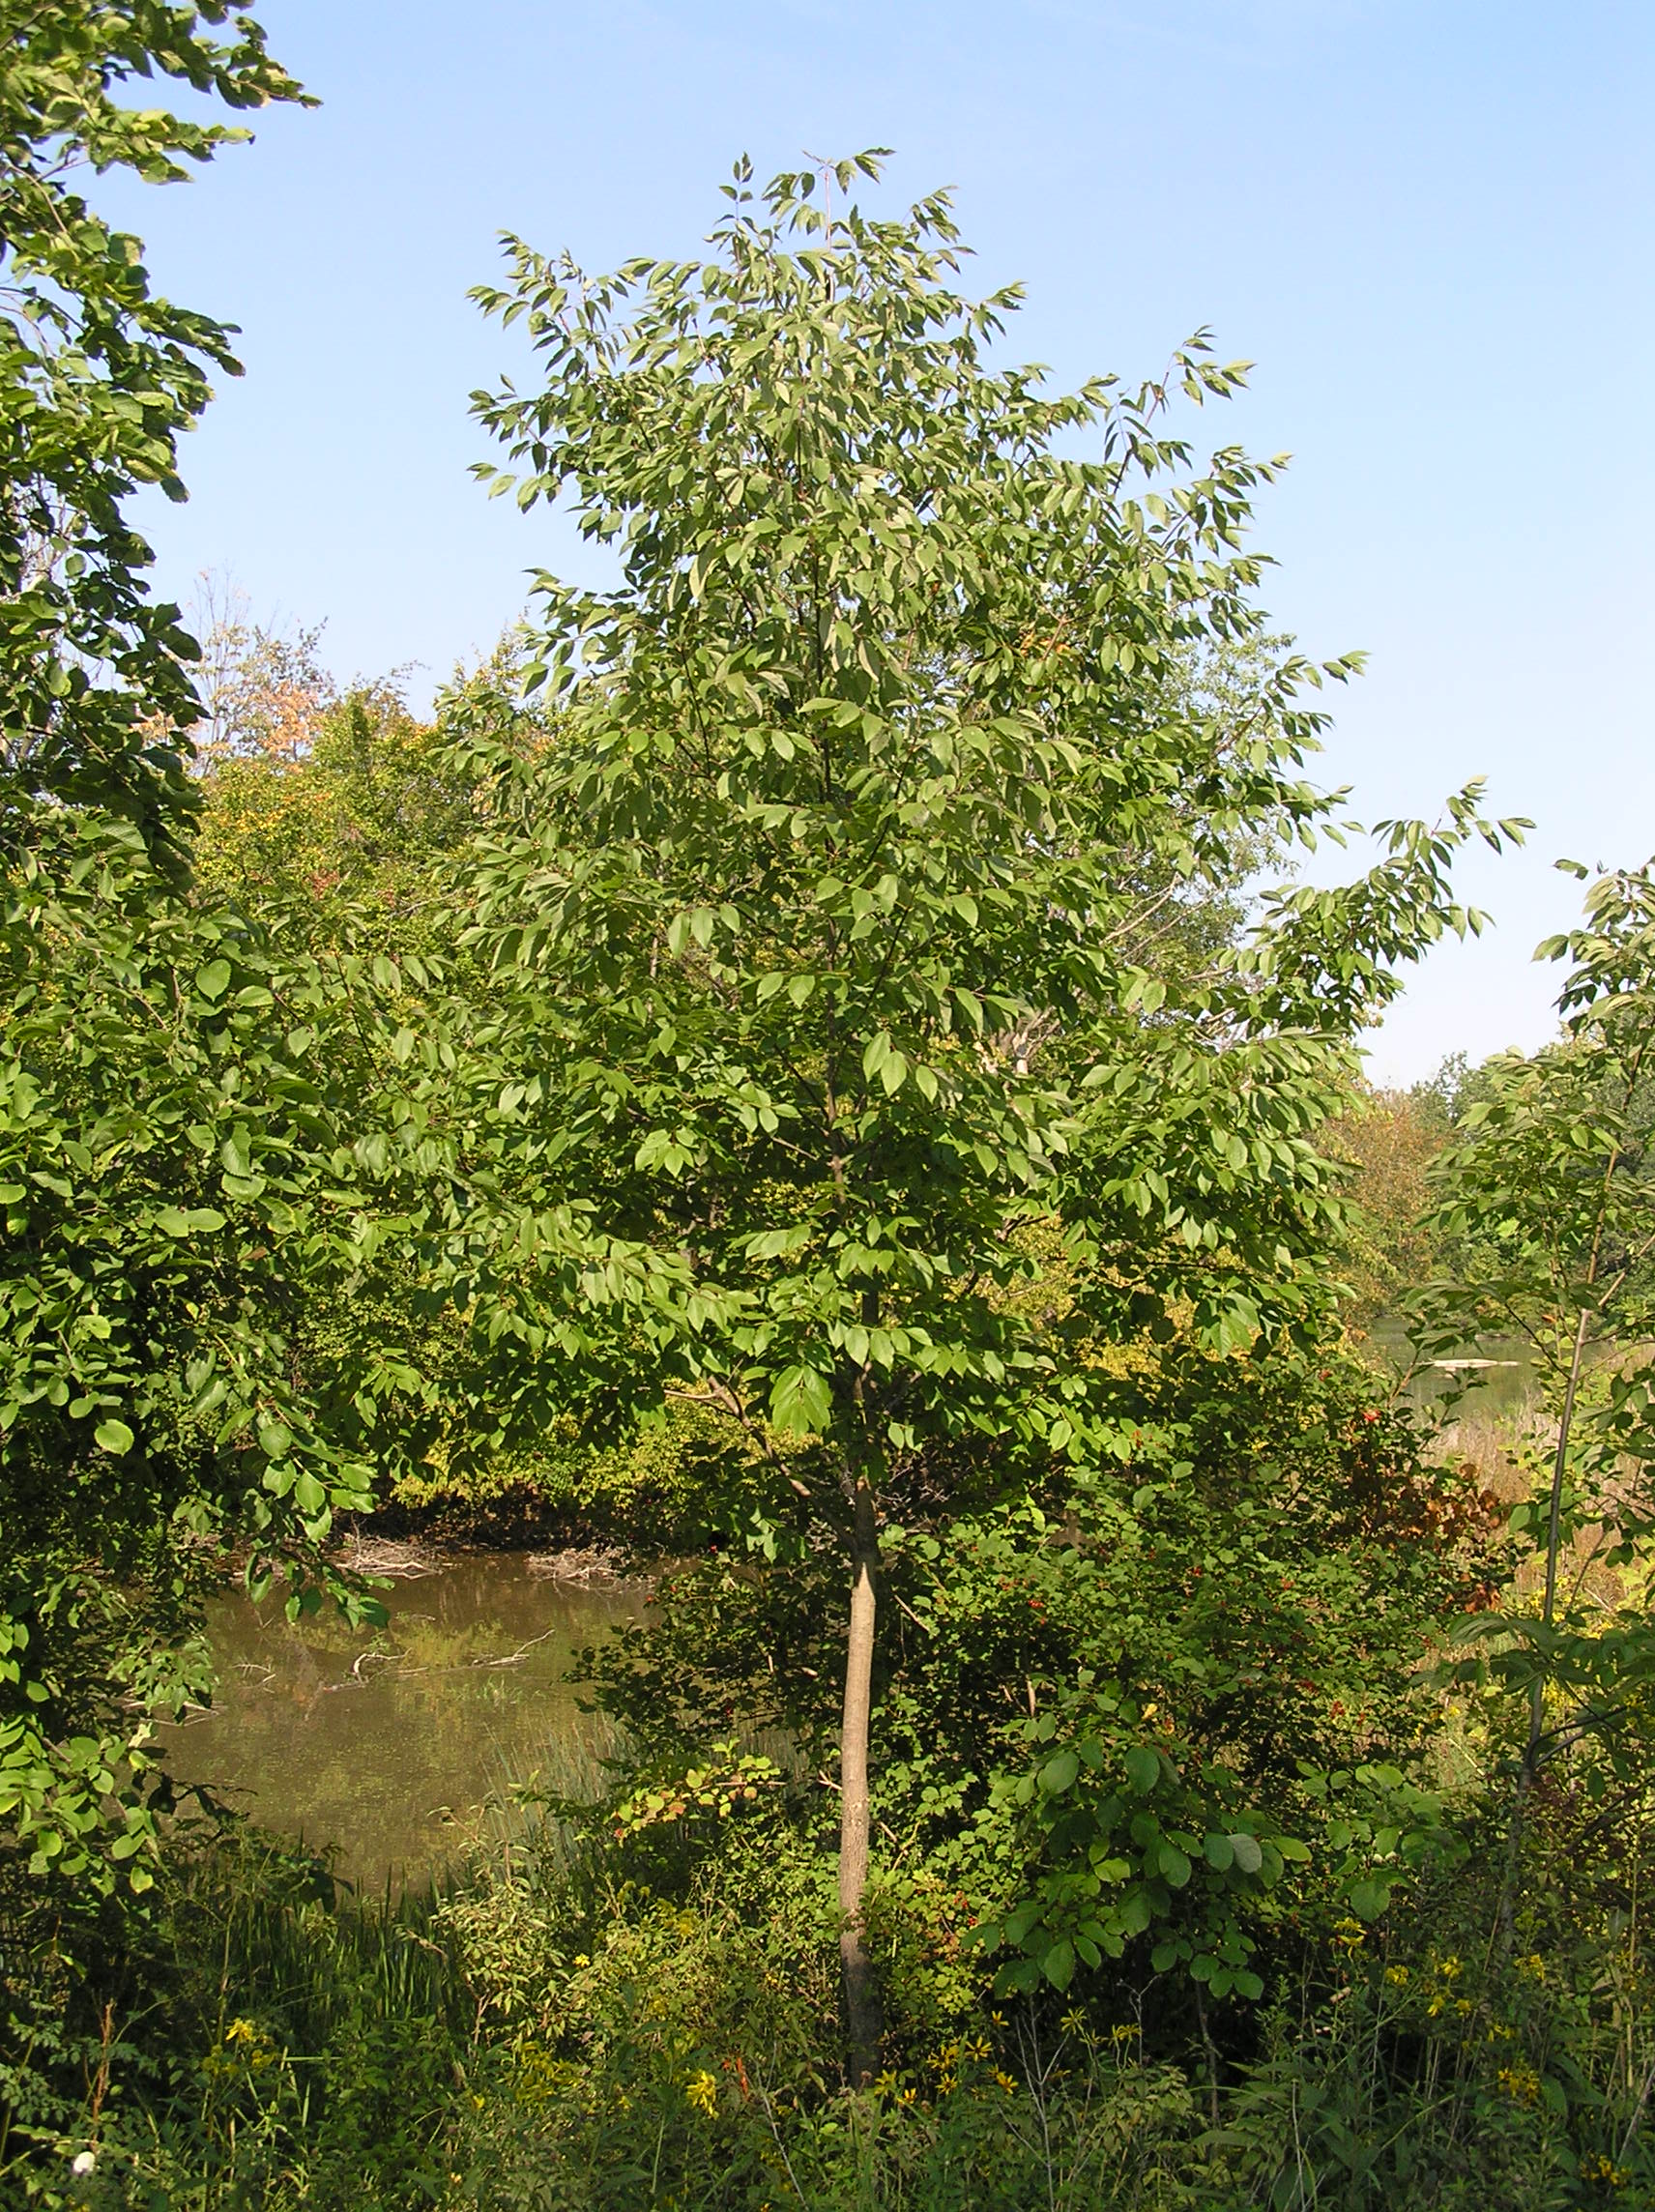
[(395, 1562), (583, 1565)]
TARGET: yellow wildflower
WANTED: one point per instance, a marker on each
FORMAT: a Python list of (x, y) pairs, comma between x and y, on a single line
[(251, 2046), (1519, 2081)]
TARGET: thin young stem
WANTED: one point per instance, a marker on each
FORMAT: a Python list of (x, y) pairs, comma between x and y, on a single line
[(1553, 1540), (861, 2001), (1553, 1521)]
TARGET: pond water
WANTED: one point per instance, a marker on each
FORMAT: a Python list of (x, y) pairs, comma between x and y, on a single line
[(1501, 1371), (389, 1745)]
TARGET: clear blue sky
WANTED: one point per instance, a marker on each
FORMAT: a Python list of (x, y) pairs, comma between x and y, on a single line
[(1428, 221)]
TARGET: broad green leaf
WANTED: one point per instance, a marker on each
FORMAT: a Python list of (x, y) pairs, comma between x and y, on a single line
[(180, 1221), (801, 1403), (1175, 1866), (1058, 1773), (1248, 1853), (1058, 1963), (1143, 1768)]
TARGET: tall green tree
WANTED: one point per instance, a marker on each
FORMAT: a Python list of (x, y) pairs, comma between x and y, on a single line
[(176, 1090), (826, 938)]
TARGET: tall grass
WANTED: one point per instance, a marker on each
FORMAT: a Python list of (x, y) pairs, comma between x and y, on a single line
[(267, 2039)]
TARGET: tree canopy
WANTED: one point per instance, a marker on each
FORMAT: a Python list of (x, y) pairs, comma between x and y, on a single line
[(99, 378)]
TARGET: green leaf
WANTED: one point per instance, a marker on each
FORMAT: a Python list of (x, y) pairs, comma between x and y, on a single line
[(213, 980), (801, 1402), (1175, 1866), (1058, 1773), (114, 1435), (179, 1221), (1143, 1768), (1247, 1851), (1057, 1965)]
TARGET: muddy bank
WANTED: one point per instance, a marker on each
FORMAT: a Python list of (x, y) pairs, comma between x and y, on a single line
[(517, 1520)]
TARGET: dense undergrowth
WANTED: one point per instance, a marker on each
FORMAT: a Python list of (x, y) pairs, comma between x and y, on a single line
[(550, 2032), (632, 1997)]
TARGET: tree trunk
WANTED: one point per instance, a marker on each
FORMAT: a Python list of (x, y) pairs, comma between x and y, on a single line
[(861, 1999)]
